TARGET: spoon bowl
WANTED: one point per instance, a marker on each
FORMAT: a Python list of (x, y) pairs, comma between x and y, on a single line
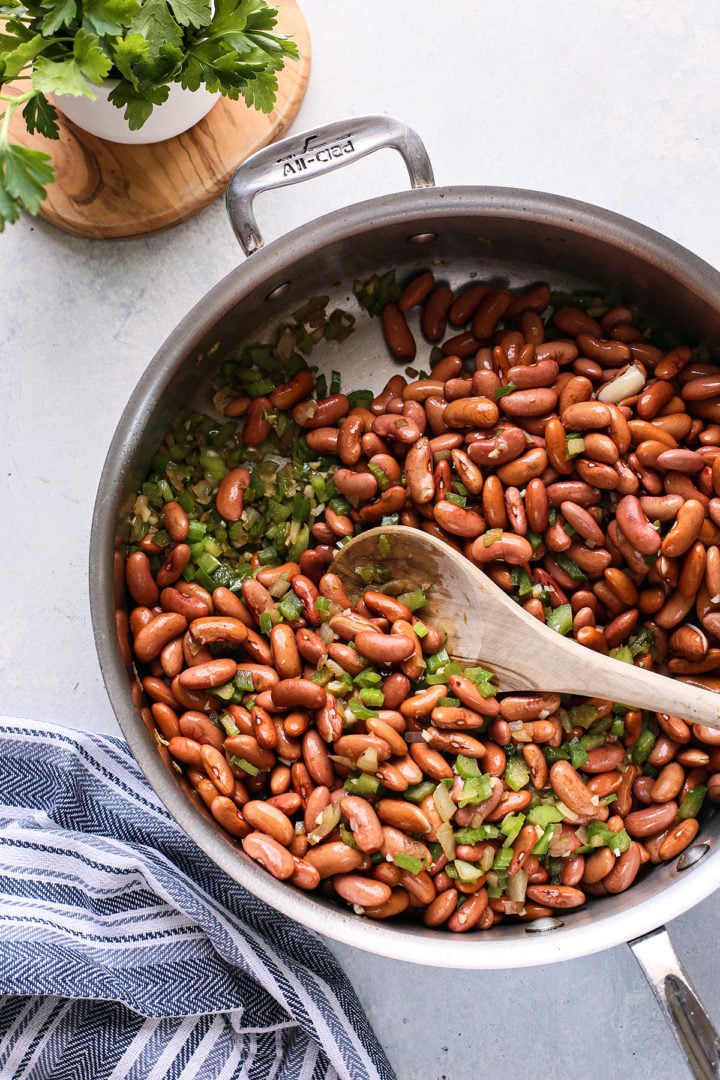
[(484, 625)]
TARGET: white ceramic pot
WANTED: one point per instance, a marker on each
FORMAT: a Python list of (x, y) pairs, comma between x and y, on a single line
[(182, 110)]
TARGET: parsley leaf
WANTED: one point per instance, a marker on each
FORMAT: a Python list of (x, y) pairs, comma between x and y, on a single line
[(260, 92), (19, 57), (126, 53), (41, 116), (109, 17), (87, 65), (138, 106), (155, 22), (60, 14), (191, 12), (23, 176)]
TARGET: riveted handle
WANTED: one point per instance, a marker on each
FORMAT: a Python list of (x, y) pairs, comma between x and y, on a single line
[(690, 1023), (311, 153)]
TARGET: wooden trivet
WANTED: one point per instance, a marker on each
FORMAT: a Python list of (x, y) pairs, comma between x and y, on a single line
[(110, 191)]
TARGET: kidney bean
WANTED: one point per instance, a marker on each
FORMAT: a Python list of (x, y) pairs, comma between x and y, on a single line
[(640, 533), (668, 784), (139, 579), (522, 469), (624, 871), (471, 412), (469, 913), (286, 395), (217, 768), (507, 547), (357, 486), (491, 308), (397, 333), (570, 789), (419, 471), (267, 818), (174, 565), (257, 426), (361, 891), (285, 651), (205, 676), (535, 401), (416, 290), (503, 446), (151, 638), (678, 838), (433, 318), (230, 495), (685, 530), (651, 819), (271, 855), (387, 648), (457, 520), (562, 897)]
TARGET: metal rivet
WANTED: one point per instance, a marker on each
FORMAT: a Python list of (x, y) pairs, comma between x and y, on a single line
[(278, 292), (419, 239), (541, 926), (691, 856)]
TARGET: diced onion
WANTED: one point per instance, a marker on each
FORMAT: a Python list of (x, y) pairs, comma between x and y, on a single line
[(628, 382), (328, 819), (446, 839), (517, 884), (445, 806), (368, 760)]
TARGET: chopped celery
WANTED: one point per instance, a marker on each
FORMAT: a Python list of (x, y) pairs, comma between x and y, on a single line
[(544, 814), (577, 753), (570, 567), (643, 746), (476, 789), (475, 836), (503, 858), (599, 835), (466, 766), (363, 784), (543, 843), (417, 792), (517, 774), (560, 619), (414, 600), (372, 696), (510, 827), (408, 862), (246, 766), (692, 803)]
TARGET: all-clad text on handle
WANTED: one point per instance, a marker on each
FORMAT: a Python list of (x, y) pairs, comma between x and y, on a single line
[(677, 999), (301, 157)]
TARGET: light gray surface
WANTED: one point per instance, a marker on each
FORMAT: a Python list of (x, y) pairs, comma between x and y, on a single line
[(615, 103)]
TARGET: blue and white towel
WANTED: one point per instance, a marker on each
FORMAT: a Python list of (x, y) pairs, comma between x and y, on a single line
[(125, 953)]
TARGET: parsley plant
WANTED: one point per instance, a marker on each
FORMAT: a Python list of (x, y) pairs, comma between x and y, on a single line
[(69, 46)]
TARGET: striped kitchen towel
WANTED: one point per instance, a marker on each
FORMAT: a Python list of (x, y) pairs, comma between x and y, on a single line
[(126, 953)]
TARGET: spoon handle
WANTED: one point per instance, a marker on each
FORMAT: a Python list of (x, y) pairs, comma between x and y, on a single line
[(560, 664)]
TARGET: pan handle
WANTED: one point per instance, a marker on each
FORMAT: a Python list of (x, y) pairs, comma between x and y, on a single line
[(690, 1023), (310, 153)]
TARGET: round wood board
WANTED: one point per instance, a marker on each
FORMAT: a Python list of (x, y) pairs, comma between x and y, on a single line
[(110, 191)]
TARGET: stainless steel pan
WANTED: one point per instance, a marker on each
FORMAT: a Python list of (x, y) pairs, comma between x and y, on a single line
[(514, 237)]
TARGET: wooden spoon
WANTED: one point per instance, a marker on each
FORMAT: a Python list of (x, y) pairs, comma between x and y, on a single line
[(483, 625)]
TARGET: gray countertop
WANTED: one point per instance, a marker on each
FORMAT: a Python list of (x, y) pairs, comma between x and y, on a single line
[(616, 103)]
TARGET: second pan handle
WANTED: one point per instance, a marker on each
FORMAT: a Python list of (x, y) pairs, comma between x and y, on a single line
[(684, 1012)]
